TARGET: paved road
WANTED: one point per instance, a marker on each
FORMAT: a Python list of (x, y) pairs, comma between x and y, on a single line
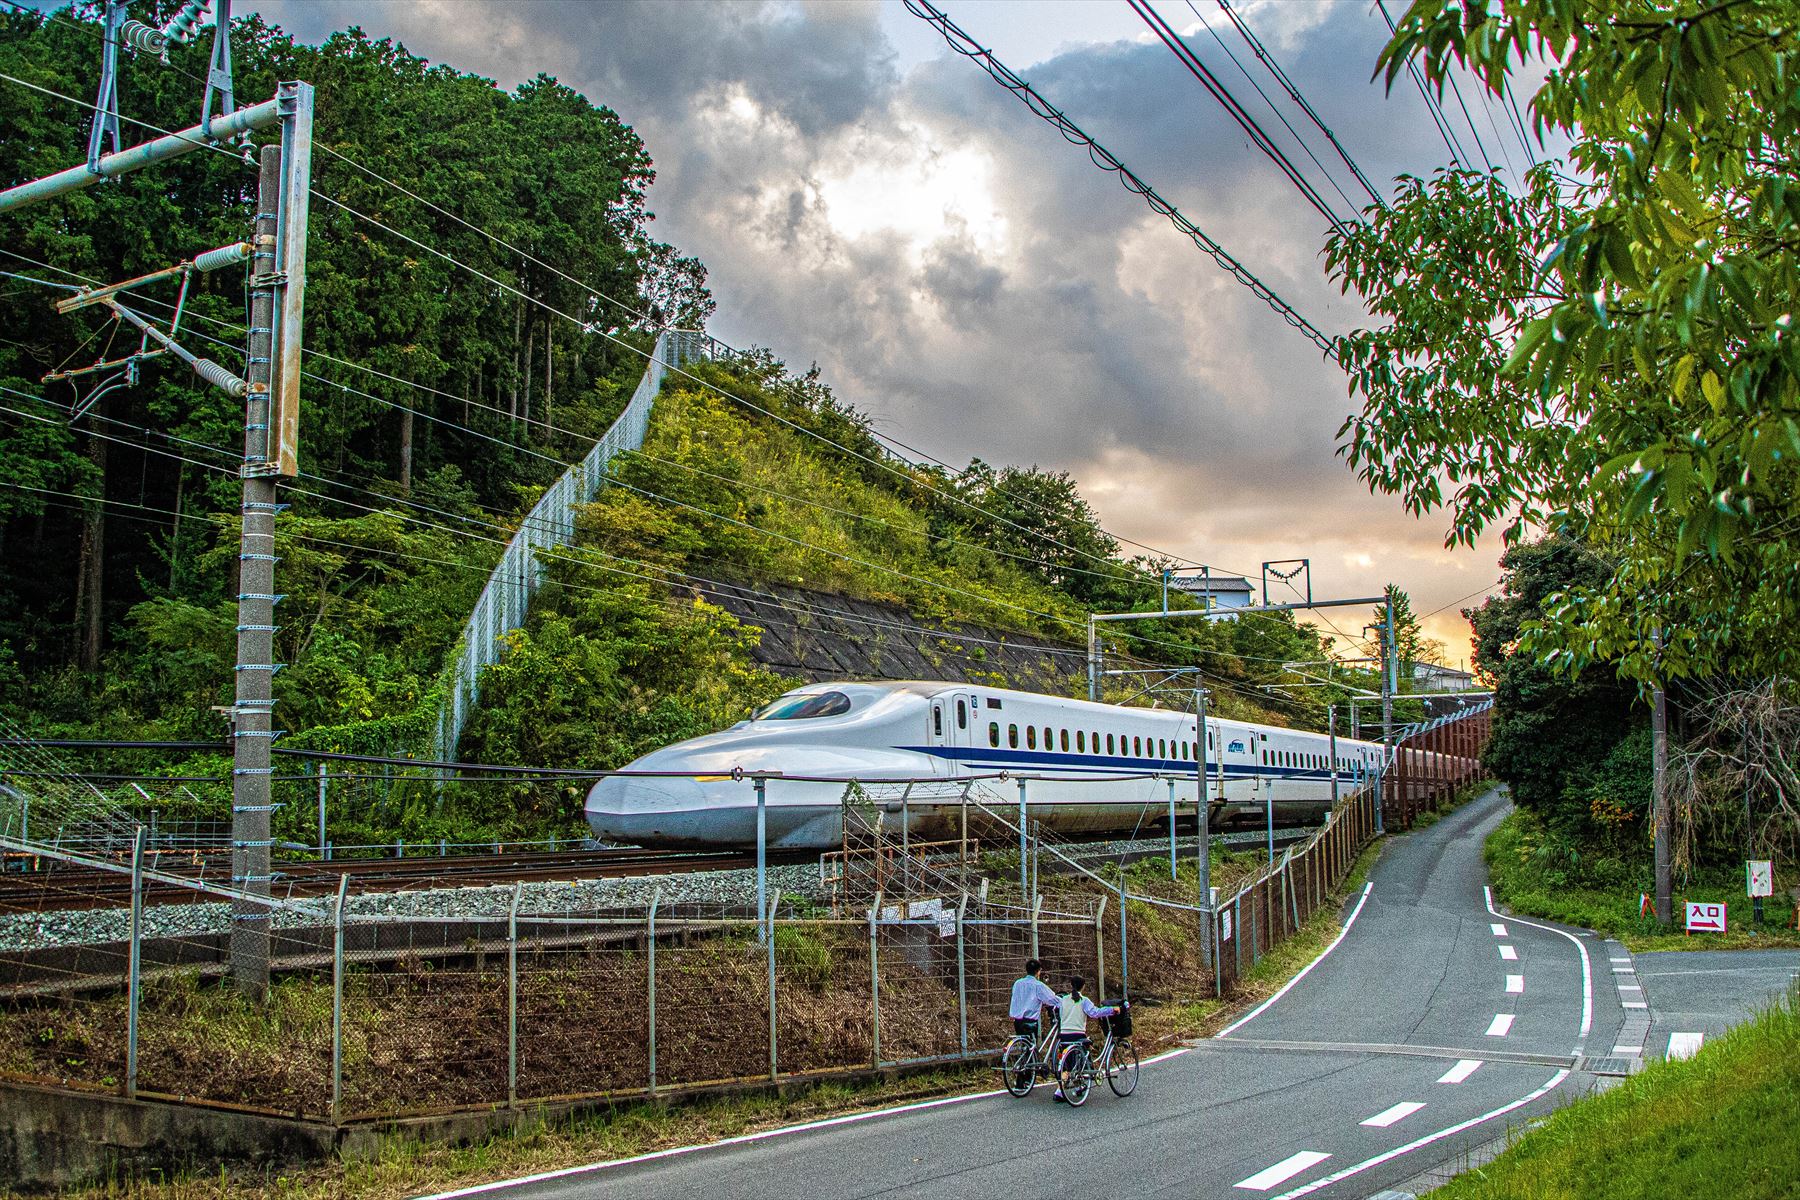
[(1431, 1027), (1695, 995)]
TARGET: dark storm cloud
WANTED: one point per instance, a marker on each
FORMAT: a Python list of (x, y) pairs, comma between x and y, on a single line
[(964, 274)]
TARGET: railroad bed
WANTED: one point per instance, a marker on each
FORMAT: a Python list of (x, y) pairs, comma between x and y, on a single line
[(65, 888)]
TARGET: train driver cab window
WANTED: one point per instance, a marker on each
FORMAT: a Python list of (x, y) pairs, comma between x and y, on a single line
[(1031, 737), (1012, 736), (1063, 737), (993, 733), (799, 708), (962, 713)]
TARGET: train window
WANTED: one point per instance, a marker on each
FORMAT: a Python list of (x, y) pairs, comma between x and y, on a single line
[(1049, 742), (1031, 737), (937, 721), (993, 733), (992, 703), (1137, 746), (962, 714), (1094, 740), (1109, 743), (802, 707), (1064, 738), (1012, 736), (1081, 741), (1162, 748)]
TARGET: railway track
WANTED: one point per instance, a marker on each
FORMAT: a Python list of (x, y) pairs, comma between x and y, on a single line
[(67, 888)]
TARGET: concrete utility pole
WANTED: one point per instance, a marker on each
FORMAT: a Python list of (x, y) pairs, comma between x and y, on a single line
[(1390, 678), (1204, 830), (1659, 795)]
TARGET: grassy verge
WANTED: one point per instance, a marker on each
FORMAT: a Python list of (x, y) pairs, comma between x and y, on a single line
[(404, 1167), (1725, 1123), (1532, 885)]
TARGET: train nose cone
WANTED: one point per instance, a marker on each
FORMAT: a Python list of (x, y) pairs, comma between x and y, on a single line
[(647, 812)]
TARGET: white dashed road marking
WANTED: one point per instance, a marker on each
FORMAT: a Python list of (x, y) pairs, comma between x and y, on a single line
[(1282, 1171), (1509, 954), (1501, 1025), (1499, 930), (1681, 1045), (1460, 1071), (1633, 1004), (1394, 1115), (1515, 983)]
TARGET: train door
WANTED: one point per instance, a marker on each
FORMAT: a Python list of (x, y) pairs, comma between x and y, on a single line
[(937, 732)]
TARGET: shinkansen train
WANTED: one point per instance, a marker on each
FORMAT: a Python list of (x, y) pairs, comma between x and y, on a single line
[(1091, 768)]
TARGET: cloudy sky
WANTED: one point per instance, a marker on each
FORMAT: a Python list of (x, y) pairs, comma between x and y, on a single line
[(866, 199)]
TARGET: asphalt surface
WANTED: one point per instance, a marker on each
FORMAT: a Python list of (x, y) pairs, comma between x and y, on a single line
[(1433, 1027), (1695, 995)]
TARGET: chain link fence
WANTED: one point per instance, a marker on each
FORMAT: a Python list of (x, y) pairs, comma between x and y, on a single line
[(113, 970)]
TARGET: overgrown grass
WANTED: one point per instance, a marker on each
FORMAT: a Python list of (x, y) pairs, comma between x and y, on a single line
[(1724, 1124), (1532, 882)]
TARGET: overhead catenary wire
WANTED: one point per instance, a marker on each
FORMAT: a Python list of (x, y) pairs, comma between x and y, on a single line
[(1238, 113)]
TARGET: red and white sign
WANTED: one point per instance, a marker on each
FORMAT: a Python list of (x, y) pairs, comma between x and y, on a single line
[(1761, 877), (1705, 918)]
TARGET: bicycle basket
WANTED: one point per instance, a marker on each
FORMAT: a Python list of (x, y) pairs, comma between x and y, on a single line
[(1119, 1024)]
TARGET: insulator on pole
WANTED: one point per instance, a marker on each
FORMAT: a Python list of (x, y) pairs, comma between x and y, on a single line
[(224, 256), (219, 377), (140, 36), (180, 27)]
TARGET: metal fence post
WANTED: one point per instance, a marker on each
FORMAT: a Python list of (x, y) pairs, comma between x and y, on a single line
[(337, 999), (1237, 937), (762, 853), (134, 971), (1024, 886), (650, 978), (1172, 851), (1100, 950), (962, 978), (512, 997), (1037, 904), (774, 1070), (874, 987), (1124, 944), (322, 778)]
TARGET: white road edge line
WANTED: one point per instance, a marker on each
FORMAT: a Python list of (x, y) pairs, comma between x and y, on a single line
[(741, 1139), (1342, 933), (1284, 1170), (1587, 971), (1554, 1082)]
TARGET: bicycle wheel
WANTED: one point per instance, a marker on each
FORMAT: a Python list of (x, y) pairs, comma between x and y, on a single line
[(1122, 1069), (1018, 1066), (1081, 1075)]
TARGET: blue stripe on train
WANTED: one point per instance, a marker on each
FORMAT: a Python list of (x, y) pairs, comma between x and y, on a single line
[(1103, 764)]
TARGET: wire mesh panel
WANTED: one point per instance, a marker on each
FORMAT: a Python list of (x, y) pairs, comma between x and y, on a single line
[(201, 1037), (712, 1000), (425, 1017), (63, 974), (583, 1017), (916, 950), (822, 989)]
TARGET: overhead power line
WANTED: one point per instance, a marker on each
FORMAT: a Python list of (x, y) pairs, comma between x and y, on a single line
[(1457, 156), (1217, 89), (1104, 159), (1287, 84)]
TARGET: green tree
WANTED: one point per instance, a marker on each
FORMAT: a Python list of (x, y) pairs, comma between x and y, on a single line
[(1553, 731), (1607, 356)]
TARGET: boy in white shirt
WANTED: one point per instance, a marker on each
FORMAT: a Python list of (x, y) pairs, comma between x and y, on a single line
[(1030, 996)]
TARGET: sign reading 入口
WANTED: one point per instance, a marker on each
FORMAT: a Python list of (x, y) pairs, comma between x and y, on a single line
[(1705, 918), (1761, 881)]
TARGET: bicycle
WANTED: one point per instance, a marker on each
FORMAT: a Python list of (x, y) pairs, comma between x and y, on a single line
[(1117, 1061), (1025, 1057)]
